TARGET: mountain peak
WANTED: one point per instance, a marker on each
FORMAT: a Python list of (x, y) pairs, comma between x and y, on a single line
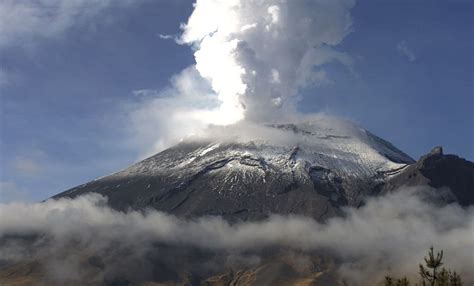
[(248, 171)]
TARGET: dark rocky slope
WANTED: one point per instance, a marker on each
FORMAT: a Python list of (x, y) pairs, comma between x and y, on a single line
[(438, 171)]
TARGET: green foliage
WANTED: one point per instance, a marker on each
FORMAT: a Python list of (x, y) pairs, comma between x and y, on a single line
[(430, 273)]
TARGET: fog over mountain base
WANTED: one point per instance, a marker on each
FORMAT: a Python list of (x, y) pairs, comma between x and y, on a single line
[(82, 240)]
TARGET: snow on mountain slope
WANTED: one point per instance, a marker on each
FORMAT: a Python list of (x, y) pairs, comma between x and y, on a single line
[(331, 143), (249, 171)]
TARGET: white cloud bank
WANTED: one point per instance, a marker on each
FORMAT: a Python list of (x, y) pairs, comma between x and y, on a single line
[(254, 57), (388, 235)]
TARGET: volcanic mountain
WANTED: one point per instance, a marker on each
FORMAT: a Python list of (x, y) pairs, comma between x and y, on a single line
[(247, 172), (242, 173)]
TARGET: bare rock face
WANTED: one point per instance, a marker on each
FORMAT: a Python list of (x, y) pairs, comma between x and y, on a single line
[(438, 171), (310, 168)]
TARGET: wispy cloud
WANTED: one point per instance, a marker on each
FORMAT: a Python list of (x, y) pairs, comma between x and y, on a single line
[(166, 37), (10, 191), (31, 164), (22, 22), (147, 92), (403, 49)]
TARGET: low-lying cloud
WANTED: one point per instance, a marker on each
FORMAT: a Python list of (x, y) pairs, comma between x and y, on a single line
[(388, 234)]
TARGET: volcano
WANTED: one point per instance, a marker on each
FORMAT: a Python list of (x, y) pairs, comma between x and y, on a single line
[(248, 172), (244, 173)]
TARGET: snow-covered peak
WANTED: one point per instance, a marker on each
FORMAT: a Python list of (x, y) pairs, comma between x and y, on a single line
[(324, 142), (309, 167)]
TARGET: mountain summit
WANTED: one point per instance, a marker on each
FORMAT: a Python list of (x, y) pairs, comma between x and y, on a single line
[(248, 172)]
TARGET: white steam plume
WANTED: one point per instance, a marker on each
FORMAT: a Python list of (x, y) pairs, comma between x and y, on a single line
[(255, 56)]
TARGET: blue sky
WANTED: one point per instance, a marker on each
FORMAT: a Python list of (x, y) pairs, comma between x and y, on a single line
[(64, 95)]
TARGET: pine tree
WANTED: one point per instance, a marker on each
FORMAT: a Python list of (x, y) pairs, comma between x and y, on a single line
[(454, 279), (403, 282), (430, 274), (443, 278), (388, 281)]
